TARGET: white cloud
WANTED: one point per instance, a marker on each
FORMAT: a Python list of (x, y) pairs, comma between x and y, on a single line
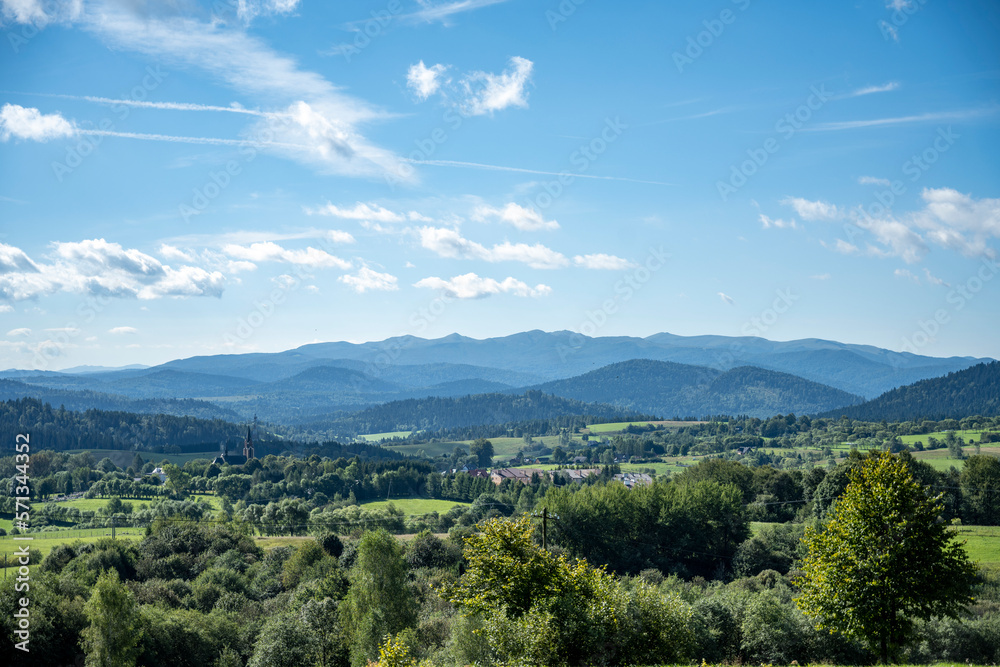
[(726, 298), (268, 251), (957, 221), (812, 210), (173, 252), (29, 123), (340, 236), (869, 90), (39, 13), (6, 308), (934, 280), (897, 240), (777, 223), (15, 260), (319, 125), (821, 276), (903, 273), (449, 243), (525, 219), (871, 180), (22, 331), (931, 117), (602, 261), (425, 81), (471, 286), (123, 330), (368, 280), (841, 246), (898, 5), (248, 10), (486, 93), (362, 211)]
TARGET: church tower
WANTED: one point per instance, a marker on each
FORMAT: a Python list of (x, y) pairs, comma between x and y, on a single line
[(248, 445)]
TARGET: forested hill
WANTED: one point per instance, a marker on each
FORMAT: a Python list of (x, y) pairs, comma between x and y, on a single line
[(479, 409), (679, 390), (973, 391), (57, 428), (85, 400)]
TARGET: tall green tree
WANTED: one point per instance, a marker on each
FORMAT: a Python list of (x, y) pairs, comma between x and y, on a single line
[(980, 483), (482, 449), (379, 602), (883, 559), (112, 639)]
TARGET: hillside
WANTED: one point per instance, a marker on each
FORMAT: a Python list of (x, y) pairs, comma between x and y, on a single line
[(973, 391), (672, 389), (438, 413)]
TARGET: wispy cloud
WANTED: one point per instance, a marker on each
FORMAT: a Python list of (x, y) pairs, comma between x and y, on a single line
[(931, 117), (520, 170), (726, 298), (365, 211), (872, 180), (812, 210), (870, 90), (486, 92), (442, 12), (446, 242), (602, 261), (123, 330), (777, 223)]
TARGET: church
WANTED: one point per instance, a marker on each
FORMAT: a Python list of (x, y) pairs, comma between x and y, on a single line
[(236, 459)]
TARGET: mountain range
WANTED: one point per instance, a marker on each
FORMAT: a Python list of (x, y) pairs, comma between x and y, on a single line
[(663, 374)]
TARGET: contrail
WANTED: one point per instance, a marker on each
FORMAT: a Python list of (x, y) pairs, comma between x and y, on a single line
[(170, 106), (493, 167), (211, 141)]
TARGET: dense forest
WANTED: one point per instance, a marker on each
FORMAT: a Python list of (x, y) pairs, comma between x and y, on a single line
[(466, 411), (973, 391), (666, 388)]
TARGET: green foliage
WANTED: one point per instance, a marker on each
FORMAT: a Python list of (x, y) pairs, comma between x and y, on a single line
[(482, 449), (115, 630), (285, 641), (883, 559), (980, 483), (689, 528), (535, 608), (378, 602)]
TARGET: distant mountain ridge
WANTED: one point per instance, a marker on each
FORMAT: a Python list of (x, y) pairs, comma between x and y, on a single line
[(322, 380), (972, 391)]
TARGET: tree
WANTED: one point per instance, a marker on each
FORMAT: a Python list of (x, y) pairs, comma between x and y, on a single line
[(177, 479), (378, 602), (112, 639), (883, 559), (482, 449), (981, 490)]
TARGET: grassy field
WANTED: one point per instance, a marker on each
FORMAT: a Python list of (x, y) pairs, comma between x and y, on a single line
[(965, 435), (417, 506), (94, 504), (45, 542), (982, 544), (377, 437), (615, 427)]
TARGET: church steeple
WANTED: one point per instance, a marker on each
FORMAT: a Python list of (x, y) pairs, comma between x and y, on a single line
[(248, 445)]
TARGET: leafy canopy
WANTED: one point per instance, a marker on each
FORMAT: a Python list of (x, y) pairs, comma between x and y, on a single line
[(884, 558)]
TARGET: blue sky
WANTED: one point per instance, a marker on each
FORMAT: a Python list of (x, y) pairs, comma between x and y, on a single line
[(193, 178)]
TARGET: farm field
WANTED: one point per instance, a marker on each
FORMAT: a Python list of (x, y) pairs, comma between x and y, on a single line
[(614, 427), (45, 542), (94, 504), (417, 506), (378, 437)]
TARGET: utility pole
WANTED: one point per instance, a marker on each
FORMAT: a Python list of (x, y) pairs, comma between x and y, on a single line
[(545, 527)]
